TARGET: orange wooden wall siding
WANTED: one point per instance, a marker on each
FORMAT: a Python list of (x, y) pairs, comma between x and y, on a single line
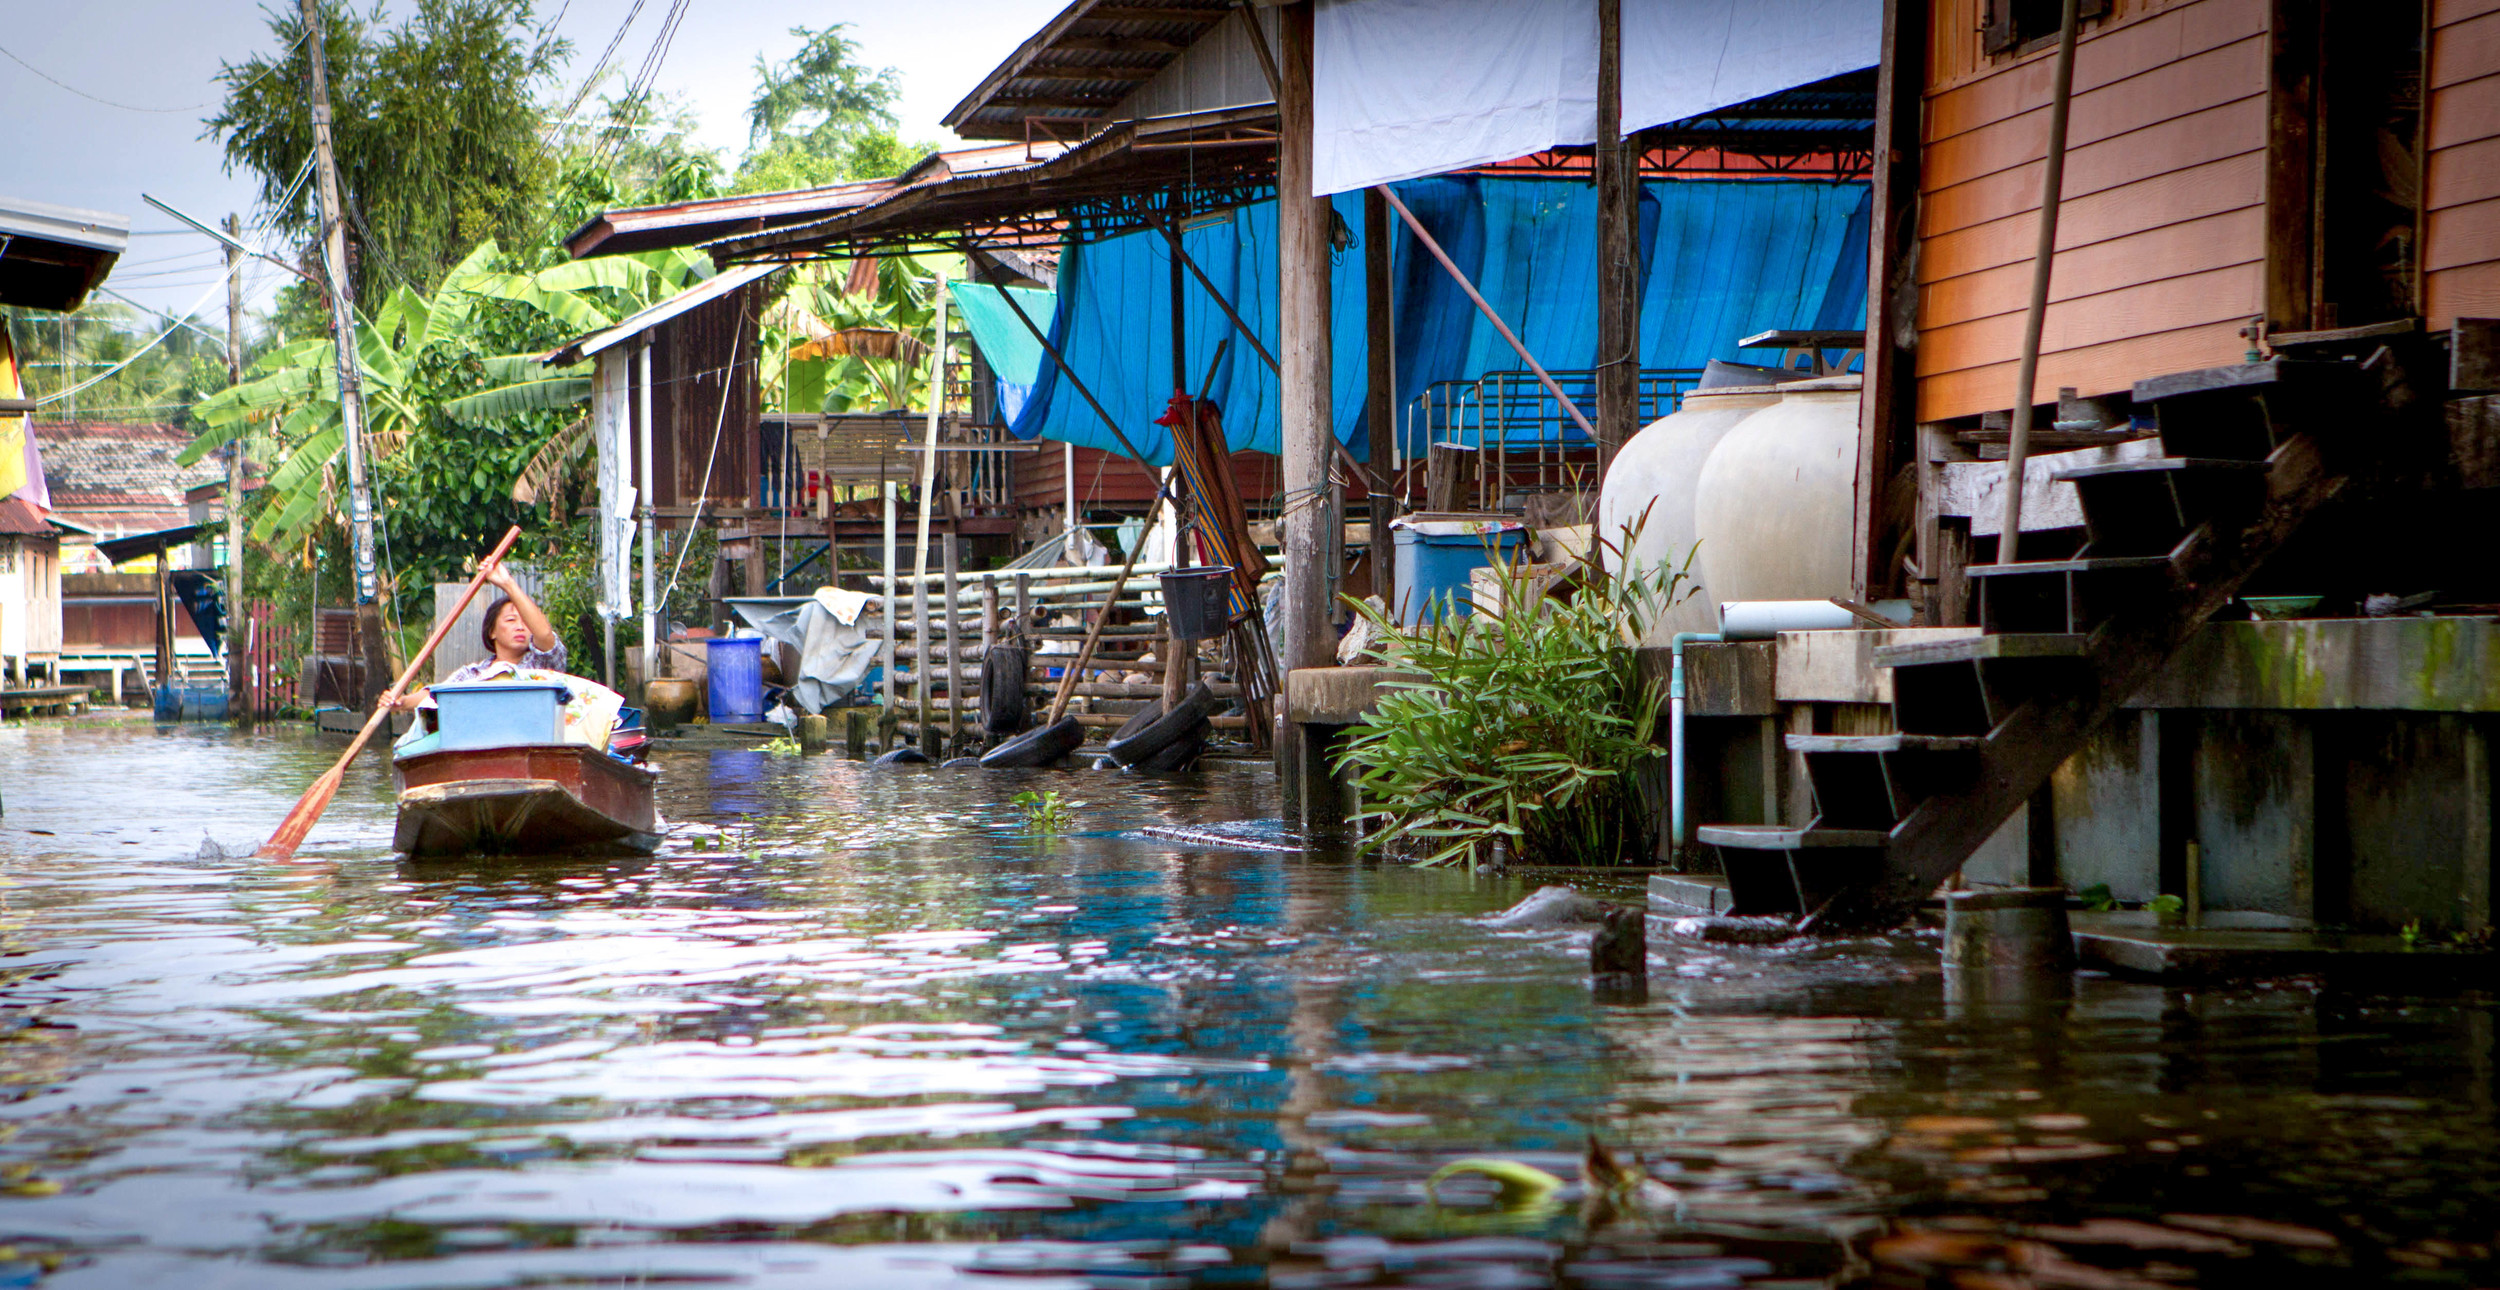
[(2161, 233), (2461, 245)]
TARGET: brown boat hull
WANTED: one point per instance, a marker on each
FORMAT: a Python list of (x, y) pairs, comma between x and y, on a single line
[(537, 800)]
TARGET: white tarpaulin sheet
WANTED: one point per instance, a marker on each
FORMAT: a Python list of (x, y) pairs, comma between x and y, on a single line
[(1403, 88)]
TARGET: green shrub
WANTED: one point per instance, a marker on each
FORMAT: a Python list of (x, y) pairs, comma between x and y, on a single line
[(1529, 727)]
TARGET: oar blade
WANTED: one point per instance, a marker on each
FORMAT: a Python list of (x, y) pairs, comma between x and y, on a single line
[(298, 822)]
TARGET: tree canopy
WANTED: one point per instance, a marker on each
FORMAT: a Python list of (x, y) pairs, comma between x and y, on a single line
[(822, 117), (435, 123)]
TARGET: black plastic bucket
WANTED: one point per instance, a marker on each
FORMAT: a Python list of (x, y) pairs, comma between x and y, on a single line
[(1199, 600)]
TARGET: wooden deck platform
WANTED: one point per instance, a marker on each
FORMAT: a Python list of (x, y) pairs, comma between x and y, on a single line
[(44, 698), (2127, 943)]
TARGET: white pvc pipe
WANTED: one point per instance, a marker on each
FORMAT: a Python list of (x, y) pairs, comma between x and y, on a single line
[(652, 651), (1760, 620)]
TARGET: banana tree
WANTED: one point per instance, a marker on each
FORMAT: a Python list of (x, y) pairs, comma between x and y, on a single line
[(414, 352)]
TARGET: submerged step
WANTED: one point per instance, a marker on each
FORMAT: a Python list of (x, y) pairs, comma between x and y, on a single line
[(1972, 649)]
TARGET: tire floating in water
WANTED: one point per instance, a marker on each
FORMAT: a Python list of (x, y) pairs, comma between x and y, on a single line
[(1038, 747)]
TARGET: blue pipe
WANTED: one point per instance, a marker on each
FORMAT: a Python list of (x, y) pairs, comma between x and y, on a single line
[(1675, 738)]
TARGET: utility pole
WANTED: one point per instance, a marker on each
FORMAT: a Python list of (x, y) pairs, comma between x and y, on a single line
[(237, 660), (343, 340)]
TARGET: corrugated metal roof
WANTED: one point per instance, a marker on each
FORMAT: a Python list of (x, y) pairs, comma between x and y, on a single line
[(702, 293), (1081, 65), (52, 256), (124, 477)]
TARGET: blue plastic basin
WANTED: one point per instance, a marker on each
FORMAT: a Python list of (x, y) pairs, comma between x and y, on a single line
[(734, 667), (500, 716)]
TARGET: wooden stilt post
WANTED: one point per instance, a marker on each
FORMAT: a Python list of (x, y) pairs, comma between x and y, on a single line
[(1888, 410), (1302, 296), (954, 649), (1618, 273), (1302, 336), (1380, 394)]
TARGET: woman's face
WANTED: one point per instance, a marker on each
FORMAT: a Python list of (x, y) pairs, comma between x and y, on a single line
[(512, 636)]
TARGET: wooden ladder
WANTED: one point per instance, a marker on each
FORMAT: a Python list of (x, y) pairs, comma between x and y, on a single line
[(2252, 452)]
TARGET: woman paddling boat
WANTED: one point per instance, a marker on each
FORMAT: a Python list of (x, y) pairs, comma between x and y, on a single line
[(512, 754)]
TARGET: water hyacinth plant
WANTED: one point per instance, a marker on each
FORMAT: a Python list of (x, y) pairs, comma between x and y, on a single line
[(1529, 725)]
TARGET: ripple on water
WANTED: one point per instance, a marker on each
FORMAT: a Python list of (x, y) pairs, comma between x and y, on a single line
[(856, 1026)]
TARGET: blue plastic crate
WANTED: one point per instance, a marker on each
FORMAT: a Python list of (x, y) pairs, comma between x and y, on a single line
[(500, 716), (1432, 570)]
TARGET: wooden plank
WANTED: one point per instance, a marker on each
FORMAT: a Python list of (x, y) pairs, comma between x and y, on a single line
[(2150, 203), (2106, 56), (2464, 112), (2212, 134), (2099, 370), (2447, 12), (2217, 241), (2465, 51), (2468, 172), (2190, 85), (2468, 291), (2462, 235), (2218, 295)]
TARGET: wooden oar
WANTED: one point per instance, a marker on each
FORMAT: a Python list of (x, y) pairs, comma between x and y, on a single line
[(316, 799)]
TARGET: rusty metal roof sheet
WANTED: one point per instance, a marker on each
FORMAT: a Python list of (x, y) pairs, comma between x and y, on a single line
[(1081, 64)]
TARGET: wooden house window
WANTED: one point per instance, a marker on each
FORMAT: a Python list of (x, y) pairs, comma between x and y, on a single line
[(2018, 26)]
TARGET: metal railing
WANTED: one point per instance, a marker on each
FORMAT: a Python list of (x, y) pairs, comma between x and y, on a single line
[(1529, 443)]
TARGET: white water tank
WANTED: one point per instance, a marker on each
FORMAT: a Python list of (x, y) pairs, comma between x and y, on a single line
[(1774, 504), (1655, 472)]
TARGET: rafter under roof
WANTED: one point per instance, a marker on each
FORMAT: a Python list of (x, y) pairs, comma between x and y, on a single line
[(1082, 63)]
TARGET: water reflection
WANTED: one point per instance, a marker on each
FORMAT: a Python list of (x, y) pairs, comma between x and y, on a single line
[(853, 1025)]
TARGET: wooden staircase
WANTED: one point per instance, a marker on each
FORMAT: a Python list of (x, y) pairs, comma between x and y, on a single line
[(2252, 452)]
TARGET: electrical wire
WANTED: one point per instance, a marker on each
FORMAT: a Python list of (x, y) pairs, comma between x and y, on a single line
[(128, 107), (153, 342), (599, 69)]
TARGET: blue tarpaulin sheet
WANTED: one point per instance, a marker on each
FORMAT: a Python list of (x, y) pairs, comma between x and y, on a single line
[(1015, 358), (1721, 259)]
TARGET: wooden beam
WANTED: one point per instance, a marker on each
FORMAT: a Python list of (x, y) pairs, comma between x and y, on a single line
[(1888, 398)]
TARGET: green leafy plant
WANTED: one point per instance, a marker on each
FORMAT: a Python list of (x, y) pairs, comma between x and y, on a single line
[(2411, 934), (784, 747), (2097, 898), (1045, 812), (1526, 722), (2165, 904)]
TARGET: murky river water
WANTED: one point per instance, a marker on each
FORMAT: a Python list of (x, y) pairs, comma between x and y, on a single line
[(853, 1027)]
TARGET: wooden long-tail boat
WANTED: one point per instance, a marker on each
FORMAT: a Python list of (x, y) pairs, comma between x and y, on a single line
[(536, 799)]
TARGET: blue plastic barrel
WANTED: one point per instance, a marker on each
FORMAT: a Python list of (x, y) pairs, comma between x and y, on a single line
[(735, 666), (1433, 568)]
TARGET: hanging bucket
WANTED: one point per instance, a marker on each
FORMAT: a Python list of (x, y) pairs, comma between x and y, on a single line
[(1200, 601)]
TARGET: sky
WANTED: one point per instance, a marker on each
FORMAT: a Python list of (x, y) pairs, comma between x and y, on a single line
[(156, 59)]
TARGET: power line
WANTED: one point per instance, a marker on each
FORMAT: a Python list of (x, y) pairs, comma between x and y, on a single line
[(129, 107)]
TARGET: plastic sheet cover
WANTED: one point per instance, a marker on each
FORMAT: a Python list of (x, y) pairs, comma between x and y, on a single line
[(1720, 259), (1405, 88)]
